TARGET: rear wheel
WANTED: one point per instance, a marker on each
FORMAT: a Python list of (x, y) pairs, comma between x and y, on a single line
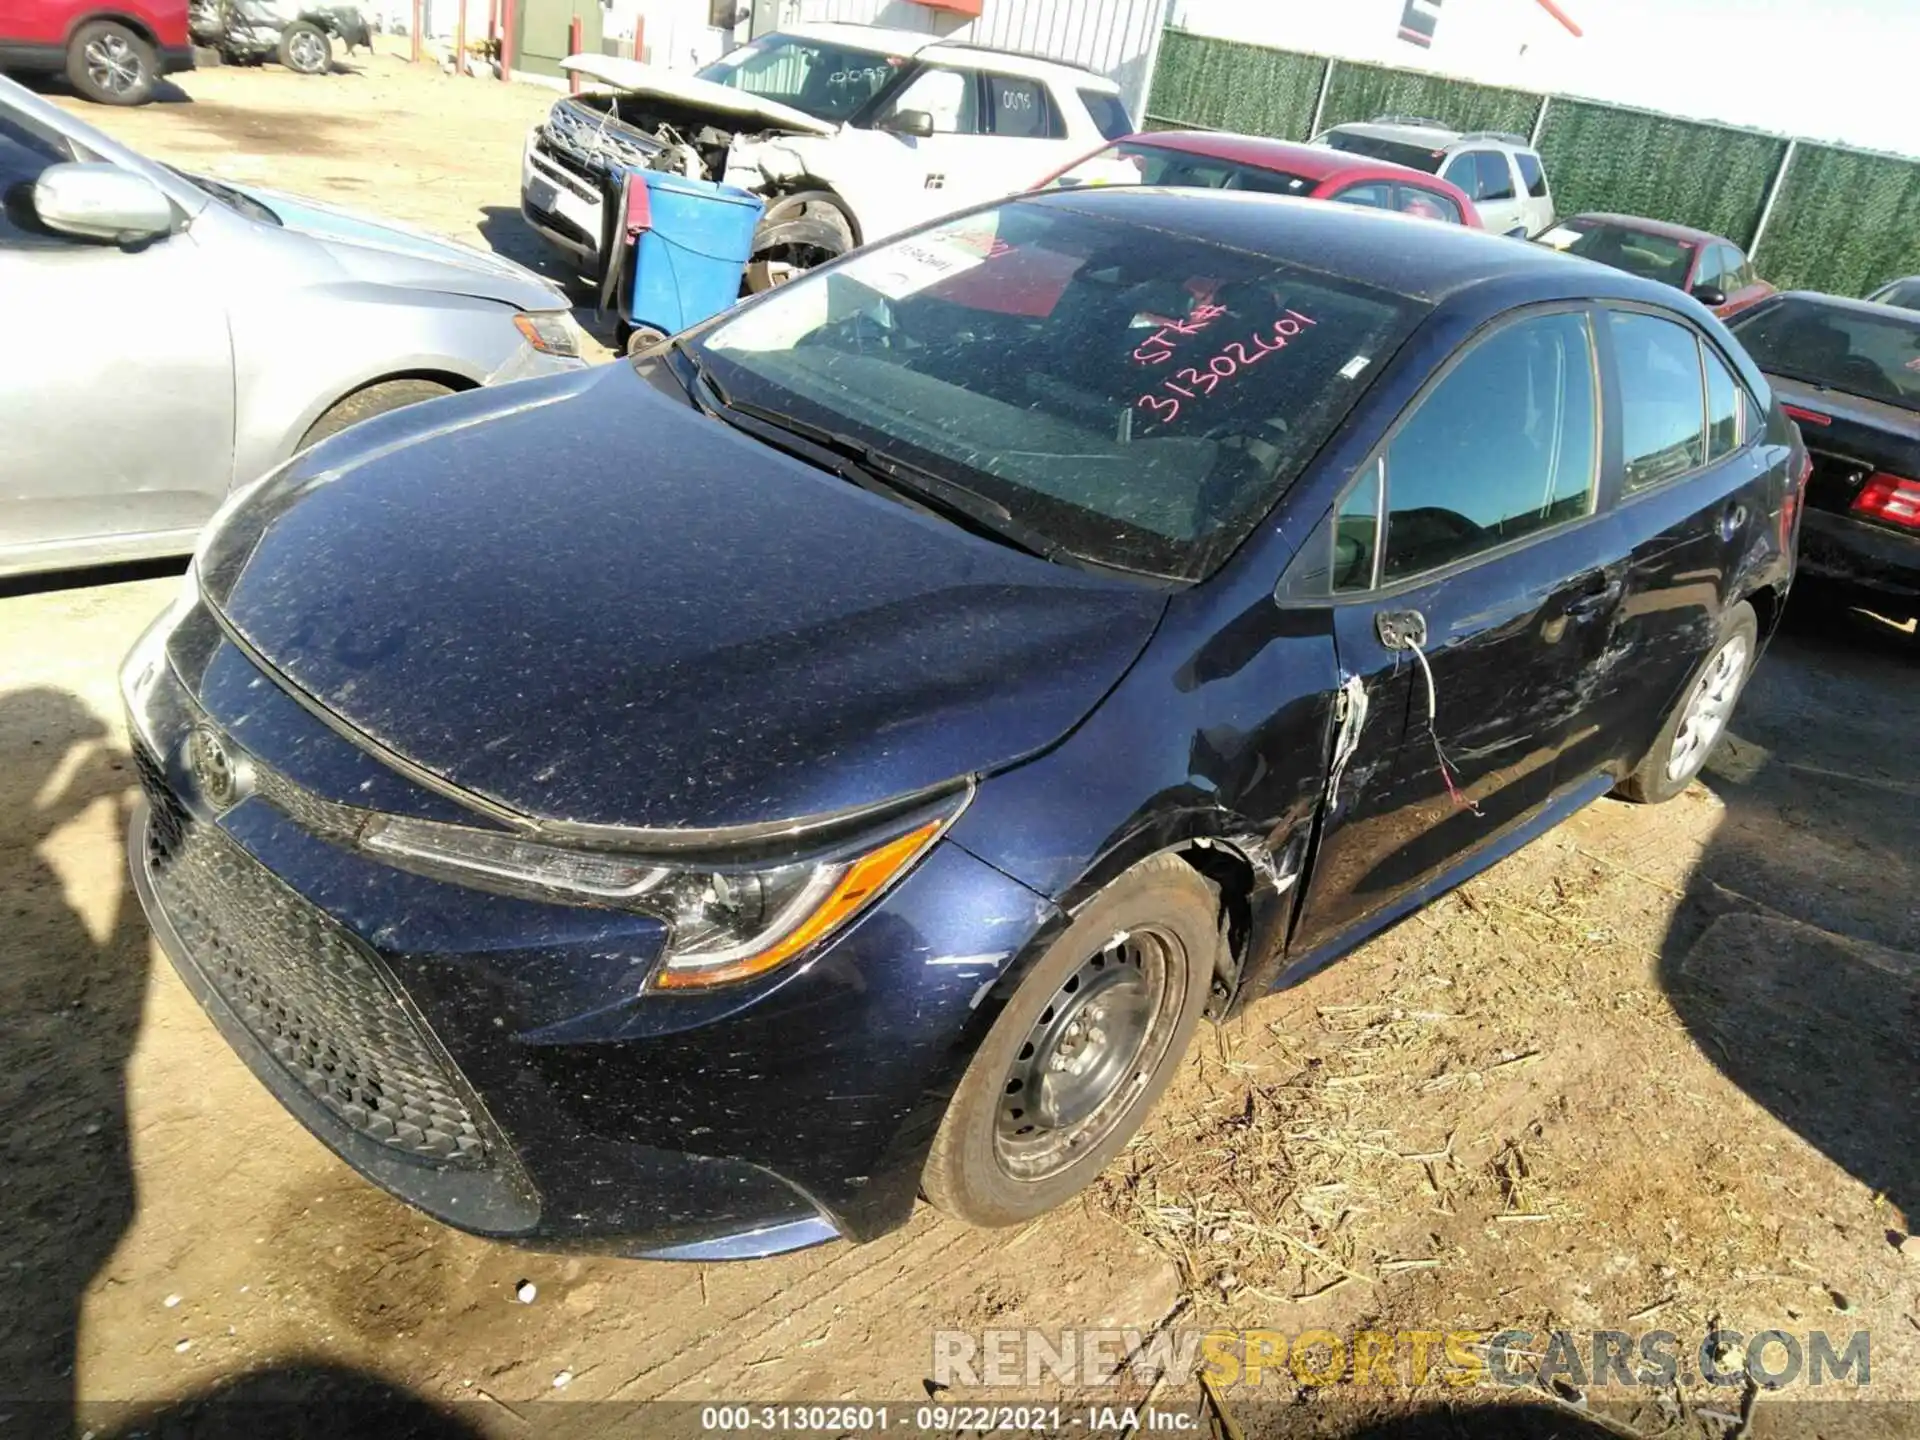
[(1700, 718), (1082, 1051), (305, 48), (107, 62), (372, 401)]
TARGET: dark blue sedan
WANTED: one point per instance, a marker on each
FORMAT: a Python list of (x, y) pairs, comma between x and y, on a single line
[(695, 806)]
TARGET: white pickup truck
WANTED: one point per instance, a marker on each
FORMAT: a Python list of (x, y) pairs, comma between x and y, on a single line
[(849, 132)]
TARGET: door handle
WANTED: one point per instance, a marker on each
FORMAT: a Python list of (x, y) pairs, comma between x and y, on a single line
[(1597, 592)]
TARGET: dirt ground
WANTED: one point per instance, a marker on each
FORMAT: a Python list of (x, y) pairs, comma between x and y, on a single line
[(1659, 1070)]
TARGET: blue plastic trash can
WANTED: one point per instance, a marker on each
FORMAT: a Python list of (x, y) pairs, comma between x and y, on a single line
[(691, 240)]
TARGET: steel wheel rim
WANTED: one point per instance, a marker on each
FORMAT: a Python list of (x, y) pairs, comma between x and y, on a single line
[(1094, 1048), (111, 64), (305, 49), (1709, 706)]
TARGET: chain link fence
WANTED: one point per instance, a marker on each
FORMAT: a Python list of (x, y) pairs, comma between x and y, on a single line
[(1843, 220)]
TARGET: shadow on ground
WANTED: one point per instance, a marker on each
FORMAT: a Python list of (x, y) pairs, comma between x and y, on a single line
[(1795, 958), (508, 235), (73, 981)]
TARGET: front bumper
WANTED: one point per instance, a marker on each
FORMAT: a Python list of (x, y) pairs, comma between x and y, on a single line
[(492, 1060), (561, 201), (1868, 557)]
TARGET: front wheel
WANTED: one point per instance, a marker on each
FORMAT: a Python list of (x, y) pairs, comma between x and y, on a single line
[(110, 64), (373, 400), (305, 48), (1701, 717), (797, 233), (1082, 1051)]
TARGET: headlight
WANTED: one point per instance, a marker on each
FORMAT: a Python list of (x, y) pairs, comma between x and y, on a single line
[(726, 922), (552, 332)]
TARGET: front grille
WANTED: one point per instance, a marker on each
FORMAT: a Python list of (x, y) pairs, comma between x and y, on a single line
[(318, 1000)]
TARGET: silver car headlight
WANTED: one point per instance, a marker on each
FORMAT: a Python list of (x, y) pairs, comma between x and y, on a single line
[(551, 332), (727, 923)]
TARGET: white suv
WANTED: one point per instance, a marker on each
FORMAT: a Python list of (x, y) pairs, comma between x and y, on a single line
[(1501, 174), (849, 132)]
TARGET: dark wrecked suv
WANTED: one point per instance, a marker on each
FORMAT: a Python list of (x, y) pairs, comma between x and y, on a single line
[(694, 806)]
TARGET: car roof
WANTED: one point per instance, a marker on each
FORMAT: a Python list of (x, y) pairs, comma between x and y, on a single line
[(894, 41), (1314, 162), (1430, 263), (1645, 226)]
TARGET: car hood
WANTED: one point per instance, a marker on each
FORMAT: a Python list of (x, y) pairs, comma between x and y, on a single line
[(635, 77), (583, 600), (385, 253)]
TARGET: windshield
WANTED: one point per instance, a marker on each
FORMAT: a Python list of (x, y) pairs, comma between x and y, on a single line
[(828, 82), (1138, 397), (1874, 356), (1397, 152), (1138, 162), (1651, 257)]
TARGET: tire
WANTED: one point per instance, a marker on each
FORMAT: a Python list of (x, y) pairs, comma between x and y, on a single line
[(110, 64), (1680, 750), (640, 338), (374, 400), (797, 233), (1161, 916), (306, 49)]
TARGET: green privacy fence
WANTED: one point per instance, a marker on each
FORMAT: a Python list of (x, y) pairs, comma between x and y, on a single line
[(1841, 220)]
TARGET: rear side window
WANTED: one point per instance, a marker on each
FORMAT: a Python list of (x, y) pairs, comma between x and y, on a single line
[(1723, 406), (1662, 414), (1020, 108), (1108, 113), (1531, 172), (1496, 176), (1506, 445)]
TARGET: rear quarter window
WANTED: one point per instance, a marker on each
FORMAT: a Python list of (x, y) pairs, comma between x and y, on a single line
[(1108, 113)]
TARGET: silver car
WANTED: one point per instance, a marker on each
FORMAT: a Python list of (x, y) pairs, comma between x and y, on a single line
[(164, 338)]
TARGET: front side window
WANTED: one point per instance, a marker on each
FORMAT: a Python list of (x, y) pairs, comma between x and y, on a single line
[(1662, 413), (1139, 396), (828, 82), (25, 150), (1496, 176), (1019, 108), (1427, 204), (1506, 445), (1108, 113), (1464, 171), (1531, 172), (950, 97), (1140, 162), (1373, 194)]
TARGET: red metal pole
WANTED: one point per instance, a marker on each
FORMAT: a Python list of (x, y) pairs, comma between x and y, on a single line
[(506, 39), (419, 10), (460, 41), (1565, 19), (576, 41)]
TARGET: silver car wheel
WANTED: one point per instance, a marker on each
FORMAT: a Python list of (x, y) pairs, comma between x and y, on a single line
[(112, 64), (1708, 708), (308, 51)]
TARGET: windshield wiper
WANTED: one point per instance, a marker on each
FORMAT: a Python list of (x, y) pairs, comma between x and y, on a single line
[(874, 469)]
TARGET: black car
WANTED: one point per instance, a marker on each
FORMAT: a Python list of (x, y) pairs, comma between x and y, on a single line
[(698, 805), (1848, 371)]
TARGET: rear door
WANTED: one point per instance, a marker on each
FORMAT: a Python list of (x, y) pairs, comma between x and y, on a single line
[(1475, 531), (1489, 181), (1697, 496)]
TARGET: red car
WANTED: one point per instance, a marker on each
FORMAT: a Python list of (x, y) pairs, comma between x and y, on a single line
[(113, 51), (1709, 267), (1211, 161)]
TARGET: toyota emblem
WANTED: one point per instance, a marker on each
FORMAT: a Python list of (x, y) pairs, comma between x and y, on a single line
[(221, 775)]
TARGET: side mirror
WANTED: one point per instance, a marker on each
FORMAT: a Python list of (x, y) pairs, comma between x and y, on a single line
[(1711, 296), (917, 123), (101, 202)]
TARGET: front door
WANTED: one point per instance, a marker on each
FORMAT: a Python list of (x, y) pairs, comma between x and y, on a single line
[(116, 391), (1472, 607)]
